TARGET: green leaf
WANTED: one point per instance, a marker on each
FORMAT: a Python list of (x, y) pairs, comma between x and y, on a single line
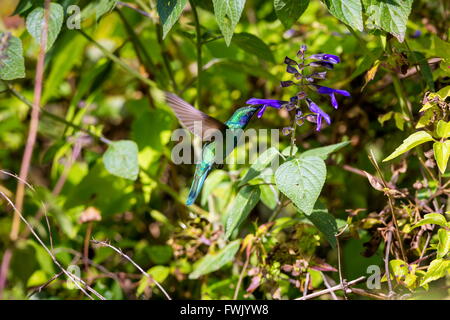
[(301, 180), (213, 262), (12, 63), (441, 154), (35, 21), (288, 11), (262, 162), (443, 129), (432, 218), (437, 269), (104, 6), (444, 243), (253, 45), (214, 179), (391, 15), (325, 222), (348, 11), (323, 152), (169, 12), (228, 13), (22, 7), (159, 273), (412, 141), (121, 159), (245, 201), (269, 196)]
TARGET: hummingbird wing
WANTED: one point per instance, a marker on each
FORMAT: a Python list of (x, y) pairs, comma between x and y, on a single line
[(194, 120)]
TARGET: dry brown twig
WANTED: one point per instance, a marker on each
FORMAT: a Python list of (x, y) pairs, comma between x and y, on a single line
[(120, 252), (72, 277), (340, 286)]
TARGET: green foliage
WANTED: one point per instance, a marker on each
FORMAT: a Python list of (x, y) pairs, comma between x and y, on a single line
[(121, 159), (55, 20), (325, 222), (414, 140), (288, 11), (228, 13), (102, 165), (214, 261), (169, 12), (12, 64), (245, 201), (349, 12), (301, 180), (391, 16), (253, 45)]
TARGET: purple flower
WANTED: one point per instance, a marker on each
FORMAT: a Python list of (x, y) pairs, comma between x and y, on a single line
[(331, 92), (266, 103), (324, 64), (331, 58), (314, 108), (416, 34)]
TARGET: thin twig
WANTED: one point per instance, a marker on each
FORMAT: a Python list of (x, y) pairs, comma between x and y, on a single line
[(386, 262), (327, 284), (241, 277), (342, 281), (106, 244), (68, 274), (391, 205), (131, 6), (199, 52), (305, 288), (332, 289), (41, 287)]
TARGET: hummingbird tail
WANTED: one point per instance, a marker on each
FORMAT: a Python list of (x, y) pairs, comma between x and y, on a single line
[(196, 187)]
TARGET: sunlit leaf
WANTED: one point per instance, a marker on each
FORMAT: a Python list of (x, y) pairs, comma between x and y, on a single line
[(391, 16), (121, 159), (432, 218), (444, 243), (415, 139), (442, 154), (12, 64), (348, 11), (55, 21), (228, 13), (437, 269), (443, 129)]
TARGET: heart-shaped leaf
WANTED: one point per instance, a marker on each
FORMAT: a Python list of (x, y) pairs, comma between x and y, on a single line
[(121, 159), (35, 21), (302, 180)]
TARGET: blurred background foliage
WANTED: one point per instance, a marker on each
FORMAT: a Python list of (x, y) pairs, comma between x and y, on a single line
[(147, 217)]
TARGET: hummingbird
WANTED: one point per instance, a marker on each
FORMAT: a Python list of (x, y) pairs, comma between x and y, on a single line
[(188, 116)]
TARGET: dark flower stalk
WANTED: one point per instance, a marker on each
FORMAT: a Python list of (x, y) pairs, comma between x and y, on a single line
[(305, 78)]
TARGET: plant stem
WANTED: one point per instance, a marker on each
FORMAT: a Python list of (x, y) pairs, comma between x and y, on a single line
[(199, 52), (391, 205), (34, 124), (241, 277)]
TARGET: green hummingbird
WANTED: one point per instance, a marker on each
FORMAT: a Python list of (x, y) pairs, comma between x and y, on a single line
[(188, 116)]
